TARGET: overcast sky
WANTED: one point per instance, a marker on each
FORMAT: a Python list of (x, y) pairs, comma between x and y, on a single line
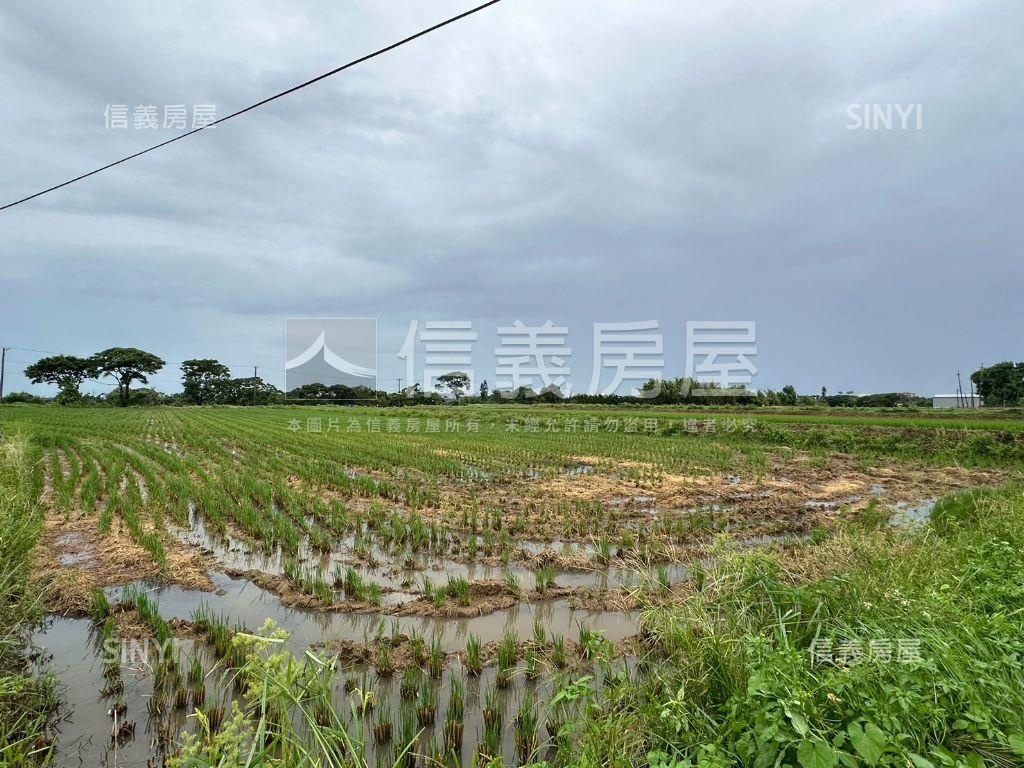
[(575, 160)]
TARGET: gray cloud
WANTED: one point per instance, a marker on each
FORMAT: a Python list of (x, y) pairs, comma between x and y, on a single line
[(583, 160)]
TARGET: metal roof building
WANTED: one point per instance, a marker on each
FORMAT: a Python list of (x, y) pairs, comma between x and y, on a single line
[(957, 401)]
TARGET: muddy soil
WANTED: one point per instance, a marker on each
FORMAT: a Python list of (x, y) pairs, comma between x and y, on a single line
[(73, 558), (796, 493)]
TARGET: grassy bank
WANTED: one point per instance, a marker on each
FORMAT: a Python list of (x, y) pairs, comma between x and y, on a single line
[(25, 701), (926, 637)]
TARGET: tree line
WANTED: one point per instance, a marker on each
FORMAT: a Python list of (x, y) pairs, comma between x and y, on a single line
[(206, 381), (1000, 384)]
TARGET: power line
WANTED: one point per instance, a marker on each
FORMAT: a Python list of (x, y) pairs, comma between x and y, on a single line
[(41, 351), (258, 104)]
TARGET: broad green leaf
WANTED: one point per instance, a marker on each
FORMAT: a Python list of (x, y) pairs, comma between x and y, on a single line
[(868, 740), (815, 753), (1016, 742), (799, 723)]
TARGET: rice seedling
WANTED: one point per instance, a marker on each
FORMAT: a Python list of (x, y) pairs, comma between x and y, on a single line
[(513, 585), (427, 706), (384, 665), (435, 664), (374, 594), (100, 608), (532, 661), (456, 698), (539, 635), (215, 716), (410, 683), (196, 672), (382, 727), (507, 655), (559, 657), (545, 579), (428, 588), (493, 709), (440, 597), (180, 698), (509, 647), (155, 704), (489, 750), (418, 648), (664, 583), (474, 655), (526, 739), (458, 588)]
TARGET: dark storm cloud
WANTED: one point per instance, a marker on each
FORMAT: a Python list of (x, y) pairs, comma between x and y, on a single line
[(584, 161)]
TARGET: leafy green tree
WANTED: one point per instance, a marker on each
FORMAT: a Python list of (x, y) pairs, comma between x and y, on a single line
[(125, 365), (1000, 384), (22, 397), (146, 396), (200, 379), (550, 394), (789, 395), (484, 389), (666, 391), (456, 383), (248, 391), (524, 394), (66, 371)]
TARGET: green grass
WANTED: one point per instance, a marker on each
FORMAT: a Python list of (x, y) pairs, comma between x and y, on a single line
[(731, 680), (26, 701)]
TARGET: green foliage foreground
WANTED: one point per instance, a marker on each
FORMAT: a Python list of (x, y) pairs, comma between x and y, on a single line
[(26, 702), (735, 683)]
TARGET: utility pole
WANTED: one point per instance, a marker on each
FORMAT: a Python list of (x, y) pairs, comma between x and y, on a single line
[(3, 365), (255, 376), (399, 385), (959, 391)]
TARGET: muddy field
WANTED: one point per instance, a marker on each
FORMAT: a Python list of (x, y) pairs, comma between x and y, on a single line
[(490, 563)]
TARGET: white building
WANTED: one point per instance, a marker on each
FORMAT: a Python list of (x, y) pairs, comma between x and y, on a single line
[(956, 401)]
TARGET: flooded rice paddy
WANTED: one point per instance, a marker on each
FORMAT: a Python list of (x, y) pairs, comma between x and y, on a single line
[(75, 653), (510, 571), (148, 731)]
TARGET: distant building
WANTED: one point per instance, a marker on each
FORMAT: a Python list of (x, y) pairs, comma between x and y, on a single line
[(956, 401)]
